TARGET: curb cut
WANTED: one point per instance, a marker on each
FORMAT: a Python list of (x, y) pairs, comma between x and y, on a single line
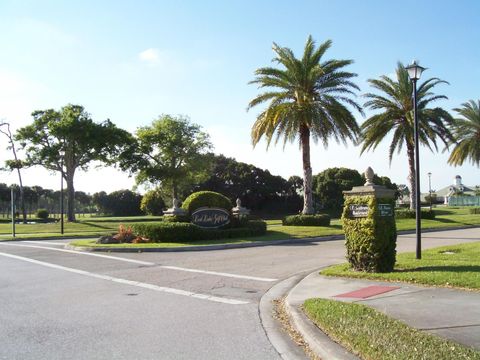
[(279, 339), (317, 340)]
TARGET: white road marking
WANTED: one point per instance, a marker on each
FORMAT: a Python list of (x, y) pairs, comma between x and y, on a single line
[(219, 273), (44, 242), (130, 282), (255, 278), (82, 253)]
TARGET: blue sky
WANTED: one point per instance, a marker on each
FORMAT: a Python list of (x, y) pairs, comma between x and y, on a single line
[(130, 61)]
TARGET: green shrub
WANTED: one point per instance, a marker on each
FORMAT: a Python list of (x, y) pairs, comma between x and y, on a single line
[(42, 214), (370, 240), (152, 203), (176, 218), (475, 210), (410, 214), (181, 232), (206, 199), (306, 220)]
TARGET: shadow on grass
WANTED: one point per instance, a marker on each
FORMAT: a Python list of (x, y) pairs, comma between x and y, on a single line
[(443, 212), (97, 225), (446, 221), (444, 268)]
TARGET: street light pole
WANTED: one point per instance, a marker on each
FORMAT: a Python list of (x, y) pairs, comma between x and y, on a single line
[(62, 154), (430, 188), (414, 72)]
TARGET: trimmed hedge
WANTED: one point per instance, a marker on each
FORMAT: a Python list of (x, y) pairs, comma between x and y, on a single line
[(42, 214), (410, 214), (180, 232), (206, 199), (176, 218), (475, 210), (306, 220), (370, 240)]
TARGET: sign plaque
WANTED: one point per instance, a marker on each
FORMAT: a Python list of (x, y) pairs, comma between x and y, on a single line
[(207, 217), (357, 211), (385, 210)]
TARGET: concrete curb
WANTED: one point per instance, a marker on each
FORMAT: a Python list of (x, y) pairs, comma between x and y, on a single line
[(209, 247), (317, 340), (244, 245), (46, 238), (280, 340), (220, 246)]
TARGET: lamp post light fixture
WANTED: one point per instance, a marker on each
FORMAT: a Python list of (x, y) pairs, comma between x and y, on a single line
[(62, 155), (414, 72), (430, 188)]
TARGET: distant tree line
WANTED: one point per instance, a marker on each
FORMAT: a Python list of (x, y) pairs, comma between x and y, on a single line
[(36, 197)]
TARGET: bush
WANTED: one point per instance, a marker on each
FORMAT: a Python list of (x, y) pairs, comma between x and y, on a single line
[(475, 210), (410, 214), (206, 199), (181, 232), (118, 203), (306, 220), (176, 218), (152, 203), (370, 240), (42, 214)]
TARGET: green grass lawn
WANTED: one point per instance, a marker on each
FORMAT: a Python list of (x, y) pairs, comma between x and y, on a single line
[(450, 266), (373, 335), (96, 226)]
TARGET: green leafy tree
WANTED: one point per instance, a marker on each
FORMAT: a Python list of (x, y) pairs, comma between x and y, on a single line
[(330, 184), (306, 98), (256, 188), (170, 153), (118, 203), (72, 132), (395, 103), (152, 202), (466, 133)]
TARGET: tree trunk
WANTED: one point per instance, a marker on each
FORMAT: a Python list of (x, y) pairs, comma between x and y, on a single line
[(22, 194), (70, 197), (175, 190), (307, 170), (411, 175)]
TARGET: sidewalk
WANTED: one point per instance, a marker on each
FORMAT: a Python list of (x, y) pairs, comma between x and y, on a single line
[(452, 314)]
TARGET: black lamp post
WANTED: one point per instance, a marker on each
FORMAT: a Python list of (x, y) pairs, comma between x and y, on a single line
[(430, 188), (62, 155), (414, 72)]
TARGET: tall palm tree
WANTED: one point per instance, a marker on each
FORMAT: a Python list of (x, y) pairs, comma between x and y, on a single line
[(306, 97), (466, 132), (396, 117)]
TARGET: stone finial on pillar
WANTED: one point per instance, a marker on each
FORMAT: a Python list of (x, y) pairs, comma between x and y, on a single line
[(239, 210), (369, 176)]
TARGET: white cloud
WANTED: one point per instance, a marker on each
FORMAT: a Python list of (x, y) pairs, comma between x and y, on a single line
[(150, 56)]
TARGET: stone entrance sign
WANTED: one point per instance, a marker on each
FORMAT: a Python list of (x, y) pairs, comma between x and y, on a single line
[(208, 217), (369, 225)]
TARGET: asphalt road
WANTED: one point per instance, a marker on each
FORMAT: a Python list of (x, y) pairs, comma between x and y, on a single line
[(184, 305)]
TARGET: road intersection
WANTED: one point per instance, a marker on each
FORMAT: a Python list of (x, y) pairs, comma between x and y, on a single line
[(58, 303)]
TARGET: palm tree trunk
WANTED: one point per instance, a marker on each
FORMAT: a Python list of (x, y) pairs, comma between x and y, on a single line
[(307, 171), (411, 175)]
